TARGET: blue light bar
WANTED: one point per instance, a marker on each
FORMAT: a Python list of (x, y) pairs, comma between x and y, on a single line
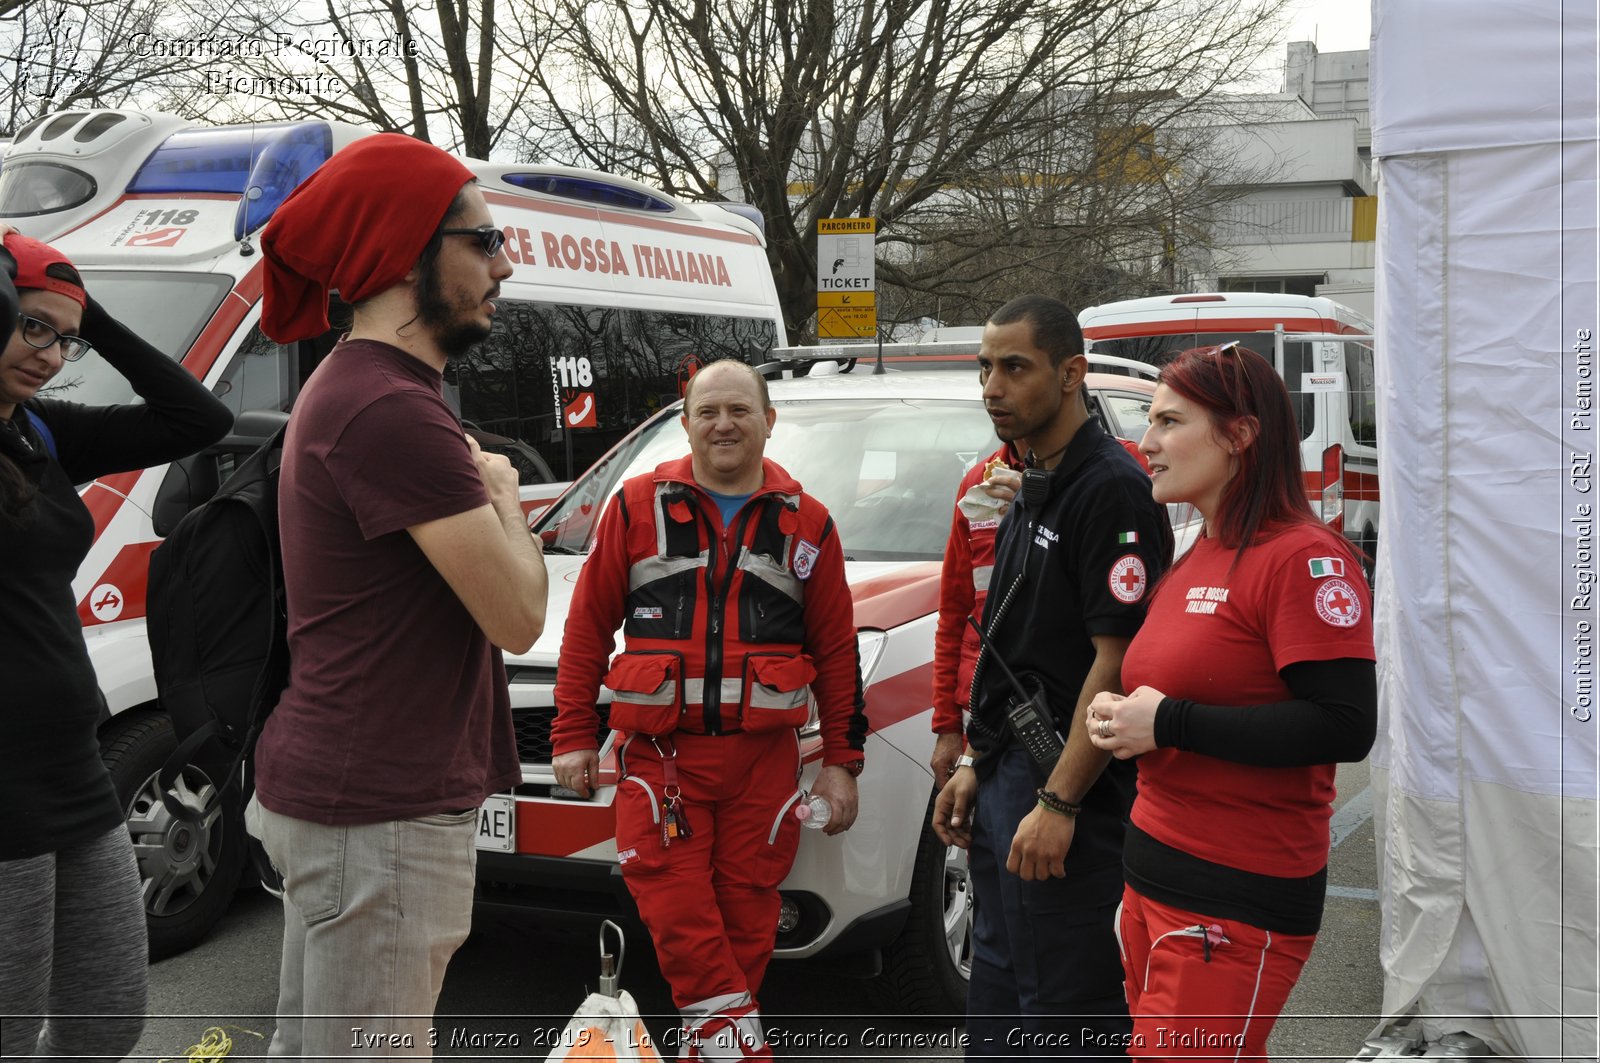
[(598, 193), (262, 163), (748, 211), (284, 163)]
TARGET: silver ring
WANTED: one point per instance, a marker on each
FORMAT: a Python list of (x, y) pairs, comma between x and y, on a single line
[(1105, 728)]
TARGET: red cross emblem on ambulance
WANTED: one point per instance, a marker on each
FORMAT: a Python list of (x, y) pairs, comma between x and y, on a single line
[(1338, 604)]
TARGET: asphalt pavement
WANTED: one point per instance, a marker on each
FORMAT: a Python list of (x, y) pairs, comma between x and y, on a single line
[(519, 977)]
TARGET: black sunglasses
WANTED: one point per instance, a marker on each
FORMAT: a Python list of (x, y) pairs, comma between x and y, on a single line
[(489, 238), (41, 335)]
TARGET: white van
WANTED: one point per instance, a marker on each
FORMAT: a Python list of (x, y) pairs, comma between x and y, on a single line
[(618, 290), (1321, 348)]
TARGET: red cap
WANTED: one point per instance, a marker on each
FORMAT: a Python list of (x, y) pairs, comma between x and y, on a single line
[(32, 259), (357, 225)]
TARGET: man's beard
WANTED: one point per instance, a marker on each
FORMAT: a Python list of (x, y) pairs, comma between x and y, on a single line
[(455, 334)]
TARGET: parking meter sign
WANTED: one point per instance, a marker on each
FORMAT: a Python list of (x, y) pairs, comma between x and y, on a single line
[(846, 278)]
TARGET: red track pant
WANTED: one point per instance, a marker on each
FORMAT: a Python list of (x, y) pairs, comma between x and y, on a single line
[(711, 900), (1203, 987)]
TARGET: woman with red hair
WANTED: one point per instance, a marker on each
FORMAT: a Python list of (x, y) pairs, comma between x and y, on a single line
[(71, 903), (1252, 677)]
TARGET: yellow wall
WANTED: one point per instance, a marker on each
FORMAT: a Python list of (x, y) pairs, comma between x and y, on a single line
[(1364, 219)]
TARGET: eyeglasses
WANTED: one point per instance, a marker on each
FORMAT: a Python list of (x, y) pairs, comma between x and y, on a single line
[(41, 335), (489, 238)]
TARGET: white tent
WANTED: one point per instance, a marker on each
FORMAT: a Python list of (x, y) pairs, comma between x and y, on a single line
[(1484, 122)]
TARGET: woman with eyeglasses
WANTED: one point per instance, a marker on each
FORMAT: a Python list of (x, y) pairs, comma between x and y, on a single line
[(1252, 677), (71, 904)]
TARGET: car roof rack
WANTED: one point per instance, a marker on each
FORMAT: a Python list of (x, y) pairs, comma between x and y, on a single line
[(948, 351)]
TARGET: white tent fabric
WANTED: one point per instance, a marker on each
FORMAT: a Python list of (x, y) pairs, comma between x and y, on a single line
[(1485, 772)]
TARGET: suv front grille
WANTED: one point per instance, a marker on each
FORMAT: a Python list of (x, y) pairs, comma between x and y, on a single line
[(532, 726)]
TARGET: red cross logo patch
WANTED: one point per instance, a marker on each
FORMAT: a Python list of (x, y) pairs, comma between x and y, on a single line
[(1338, 604), (1128, 578), (805, 558)]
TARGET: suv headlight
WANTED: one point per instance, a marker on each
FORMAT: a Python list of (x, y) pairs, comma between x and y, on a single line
[(869, 649)]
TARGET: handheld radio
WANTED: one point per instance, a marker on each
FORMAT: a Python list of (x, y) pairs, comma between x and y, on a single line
[(1029, 718)]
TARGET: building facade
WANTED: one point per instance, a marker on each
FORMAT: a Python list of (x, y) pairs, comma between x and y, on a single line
[(1308, 228)]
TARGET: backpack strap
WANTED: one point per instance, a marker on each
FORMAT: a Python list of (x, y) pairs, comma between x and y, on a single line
[(44, 432)]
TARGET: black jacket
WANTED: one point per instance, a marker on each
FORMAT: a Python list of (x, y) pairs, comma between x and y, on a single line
[(51, 774)]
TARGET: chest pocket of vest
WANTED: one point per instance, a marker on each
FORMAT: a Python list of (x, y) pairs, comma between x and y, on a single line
[(771, 597), (664, 588), (646, 691), (776, 691)]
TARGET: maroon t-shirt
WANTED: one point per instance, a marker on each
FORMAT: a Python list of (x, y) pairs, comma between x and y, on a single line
[(397, 704)]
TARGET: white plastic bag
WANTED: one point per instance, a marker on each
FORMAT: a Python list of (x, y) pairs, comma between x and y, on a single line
[(607, 1026)]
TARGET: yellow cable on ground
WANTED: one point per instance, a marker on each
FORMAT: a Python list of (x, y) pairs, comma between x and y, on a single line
[(215, 1044)]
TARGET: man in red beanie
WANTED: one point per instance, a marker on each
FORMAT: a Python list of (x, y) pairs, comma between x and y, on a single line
[(408, 567)]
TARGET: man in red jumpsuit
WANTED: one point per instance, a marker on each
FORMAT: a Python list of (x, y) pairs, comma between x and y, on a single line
[(728, 583), (963, 586)]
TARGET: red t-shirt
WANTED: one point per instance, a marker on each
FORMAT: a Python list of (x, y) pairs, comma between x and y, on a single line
[(1221, 639), (397, 704)]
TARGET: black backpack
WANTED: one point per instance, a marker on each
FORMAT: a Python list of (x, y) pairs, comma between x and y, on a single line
[(218, 626)]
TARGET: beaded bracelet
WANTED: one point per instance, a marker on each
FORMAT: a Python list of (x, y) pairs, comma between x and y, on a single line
[(1057, 804)]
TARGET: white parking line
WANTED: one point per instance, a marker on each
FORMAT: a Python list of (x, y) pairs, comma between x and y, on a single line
[(1349, 818), (1346, 821), (1352, 893)]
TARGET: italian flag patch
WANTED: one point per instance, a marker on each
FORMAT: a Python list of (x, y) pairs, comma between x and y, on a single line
[(1128, 537), (1326, 566)]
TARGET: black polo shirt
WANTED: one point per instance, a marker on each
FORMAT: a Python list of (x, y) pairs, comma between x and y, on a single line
[(1081, 565)]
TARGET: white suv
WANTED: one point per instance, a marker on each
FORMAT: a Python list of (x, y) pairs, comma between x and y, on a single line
[(884, 453)]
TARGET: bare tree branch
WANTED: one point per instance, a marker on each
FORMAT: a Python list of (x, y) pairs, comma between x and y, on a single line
[(95, 53), (451, 72), (999, 143)]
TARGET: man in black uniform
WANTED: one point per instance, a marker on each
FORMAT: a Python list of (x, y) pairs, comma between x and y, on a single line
[(1077, 554)]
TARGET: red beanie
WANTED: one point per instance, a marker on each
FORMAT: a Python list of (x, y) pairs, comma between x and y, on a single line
[(357, 225), (32, 259)]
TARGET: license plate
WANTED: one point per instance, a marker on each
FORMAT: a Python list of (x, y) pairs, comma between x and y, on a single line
[(497, 824)]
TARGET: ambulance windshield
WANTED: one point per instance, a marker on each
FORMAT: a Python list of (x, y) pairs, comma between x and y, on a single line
[(167, 309), (886, 469)]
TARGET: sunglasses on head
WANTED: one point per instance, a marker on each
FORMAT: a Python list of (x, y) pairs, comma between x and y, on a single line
[(1246, 390), (489, 238), (41, 335)]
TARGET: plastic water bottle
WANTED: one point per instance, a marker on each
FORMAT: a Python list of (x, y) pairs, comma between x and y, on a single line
[(813, 812)]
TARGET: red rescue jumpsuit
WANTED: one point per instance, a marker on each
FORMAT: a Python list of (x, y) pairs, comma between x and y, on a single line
[(724, 630), (963, 586)]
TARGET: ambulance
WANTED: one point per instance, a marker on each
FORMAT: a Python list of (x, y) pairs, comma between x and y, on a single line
[(1321, 348), (619, 291)]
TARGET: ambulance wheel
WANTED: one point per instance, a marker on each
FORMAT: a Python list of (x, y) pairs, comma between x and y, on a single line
[(188, 871), (926, 969)]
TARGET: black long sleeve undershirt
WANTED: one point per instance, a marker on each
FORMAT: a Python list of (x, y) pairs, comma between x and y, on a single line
[(178, 415), (1332, 718)]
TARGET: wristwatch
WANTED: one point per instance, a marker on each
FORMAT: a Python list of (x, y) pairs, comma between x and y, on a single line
[(965, 761), (854, 767)]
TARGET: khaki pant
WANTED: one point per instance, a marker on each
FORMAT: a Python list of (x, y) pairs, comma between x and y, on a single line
[(371, 916)]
